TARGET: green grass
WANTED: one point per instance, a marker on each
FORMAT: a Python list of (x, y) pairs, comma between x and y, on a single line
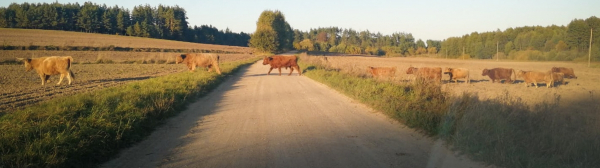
[(503, 131), (86, 129)]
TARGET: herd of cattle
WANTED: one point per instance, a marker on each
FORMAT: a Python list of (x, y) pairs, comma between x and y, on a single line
[(56, 65), (555, 75), (61, 65)]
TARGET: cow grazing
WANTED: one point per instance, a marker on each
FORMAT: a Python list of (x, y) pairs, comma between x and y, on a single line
[(499, 74), (536, 77), (568, 72), (206, 60), (458, 73), (53, 65), (434, 73), (382, 72), (279, 62)]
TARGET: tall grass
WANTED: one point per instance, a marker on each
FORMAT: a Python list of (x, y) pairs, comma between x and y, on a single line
[(503, 131), (86, 129)]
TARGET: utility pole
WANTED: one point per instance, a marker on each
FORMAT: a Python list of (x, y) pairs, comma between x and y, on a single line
[(590, 52), (497, 51), (463, 55)]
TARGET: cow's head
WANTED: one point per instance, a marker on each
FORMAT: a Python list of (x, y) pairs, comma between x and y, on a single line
[(411, 70), (485, 72), (555, 69), (180, 58), (27, 63), (267, 60)]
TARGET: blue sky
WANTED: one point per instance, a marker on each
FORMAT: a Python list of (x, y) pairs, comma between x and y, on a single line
[(434, 19)]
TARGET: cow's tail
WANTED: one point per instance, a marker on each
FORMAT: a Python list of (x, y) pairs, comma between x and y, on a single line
[(69, 62)]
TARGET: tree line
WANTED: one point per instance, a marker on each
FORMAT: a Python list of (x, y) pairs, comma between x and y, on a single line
[(334, 39), (560, 43), (164, 22)]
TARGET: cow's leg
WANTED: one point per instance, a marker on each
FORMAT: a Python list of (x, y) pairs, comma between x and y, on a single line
[(279, 71), (270, 71), (69, 77), (43, 77), (62, 76), (291, 70)]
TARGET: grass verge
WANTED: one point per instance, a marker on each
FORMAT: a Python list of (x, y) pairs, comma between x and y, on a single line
[(504, 131), (86, 129)]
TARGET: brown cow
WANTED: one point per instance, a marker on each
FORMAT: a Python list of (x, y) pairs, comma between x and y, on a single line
[(434, 73), (456, 73), (557, 77), (53, 65), (499, 74), (569, 73), (536, 77), (279, 62), (382, 72), (209, 61)]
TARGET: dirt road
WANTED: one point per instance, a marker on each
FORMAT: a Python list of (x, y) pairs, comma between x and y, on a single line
[(255, 120)]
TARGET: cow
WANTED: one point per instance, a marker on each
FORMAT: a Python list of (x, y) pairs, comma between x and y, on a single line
[(557, 77), (206, 60), (536, 77), (457, 73), (499, 74), (382, 72), (53, 65), (279, 62), (568, 72), (434, 73)]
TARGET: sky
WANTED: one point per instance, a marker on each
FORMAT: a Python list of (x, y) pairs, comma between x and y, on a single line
[(433, 19)]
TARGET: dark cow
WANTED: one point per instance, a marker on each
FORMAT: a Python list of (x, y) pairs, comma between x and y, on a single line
[(557, 77), (46, 66), (536, 77), (568, 72), (434, 73), (209, 61), (382, 72), (279, 62), (499, 74)]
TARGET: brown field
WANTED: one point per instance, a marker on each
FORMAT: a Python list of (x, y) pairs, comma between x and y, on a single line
[(30, 37), (575, 93), (20, 88)]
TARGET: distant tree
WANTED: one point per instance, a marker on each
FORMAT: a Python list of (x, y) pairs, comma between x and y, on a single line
[(307, 45), (264, 40), (578, 35), (272, 31), (421, 44), (432, 50), (508, 47), (561, 46)]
